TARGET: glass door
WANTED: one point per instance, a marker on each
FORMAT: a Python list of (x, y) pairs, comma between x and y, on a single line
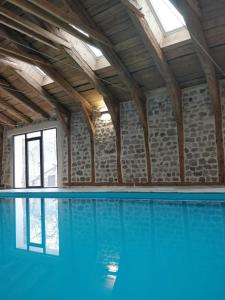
[(34, 162), (35, 159)]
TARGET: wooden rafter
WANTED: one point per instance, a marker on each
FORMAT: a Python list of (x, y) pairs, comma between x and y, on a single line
[(62, 112), (111, 103), (40, 91), (56, 17), (137, 94), (30, 29), (158, 57), (198, 39), (67, 87), (8, 89), (71, 18), (48, 69), (6, 121), (22, 55), (14, 112)]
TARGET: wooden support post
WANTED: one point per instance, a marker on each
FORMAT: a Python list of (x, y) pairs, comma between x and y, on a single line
[(69, 152), (92, 144), (155, 51)]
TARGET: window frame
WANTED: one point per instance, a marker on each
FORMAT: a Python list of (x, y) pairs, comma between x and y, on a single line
[(42, 179)]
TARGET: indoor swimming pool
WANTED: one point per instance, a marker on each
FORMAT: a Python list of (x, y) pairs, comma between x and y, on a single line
[(159, 248)]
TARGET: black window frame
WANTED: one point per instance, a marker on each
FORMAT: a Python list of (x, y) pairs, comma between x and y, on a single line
[(41, 158)]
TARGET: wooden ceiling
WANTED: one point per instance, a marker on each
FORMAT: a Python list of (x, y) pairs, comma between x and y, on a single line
[(32, 31)]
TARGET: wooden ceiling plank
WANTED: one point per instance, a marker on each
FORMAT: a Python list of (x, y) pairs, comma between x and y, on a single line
[(22, 55), (202, 50), (6, 120), (7, 88), (49, 70), (15, 112), (62, 112), (28, 28), (67, 87), (70, 18), (16, 26), (51, 19), (40, 91)]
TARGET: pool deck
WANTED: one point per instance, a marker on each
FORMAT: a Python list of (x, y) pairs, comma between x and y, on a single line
[(185, 189), (215, 193)]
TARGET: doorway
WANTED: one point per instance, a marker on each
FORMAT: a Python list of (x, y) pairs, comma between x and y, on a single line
[(35, 159)]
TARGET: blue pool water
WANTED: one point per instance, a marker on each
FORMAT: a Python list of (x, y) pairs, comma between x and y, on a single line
[(71, 248)]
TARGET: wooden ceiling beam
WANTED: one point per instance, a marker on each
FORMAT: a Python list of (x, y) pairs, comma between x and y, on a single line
[(22, 55), (12, 20), (16, 26), (40, 91), (14, 111), (71, 18), (110, 101), (49, 70), (202, 50), (6, 120), (137, 95), (8, 89), (64, 23), (153, 47), (133, 7), (62, 112), (67, 87)]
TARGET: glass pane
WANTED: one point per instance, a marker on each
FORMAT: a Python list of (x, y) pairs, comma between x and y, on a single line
[(50, 158), (35, 221), (21, 232), (51, 226), (33, 134), (34, 165), (19, 161), (168, 15)]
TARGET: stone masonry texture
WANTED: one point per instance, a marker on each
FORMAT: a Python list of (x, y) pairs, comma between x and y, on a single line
[(80, 147), (105, 151), (163, 139), (200, 152), (134, 167), (199, 134)]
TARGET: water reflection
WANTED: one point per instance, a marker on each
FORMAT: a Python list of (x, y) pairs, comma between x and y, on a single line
[(111, 249), (37, 225)]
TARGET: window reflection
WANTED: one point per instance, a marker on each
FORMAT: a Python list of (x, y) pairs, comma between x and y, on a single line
[(37, 225)]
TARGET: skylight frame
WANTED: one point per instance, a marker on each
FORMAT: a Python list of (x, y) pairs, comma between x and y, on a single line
[(160, 22)]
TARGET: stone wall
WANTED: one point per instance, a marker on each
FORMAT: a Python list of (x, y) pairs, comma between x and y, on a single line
[(200, 153), (133, 159), (199, 134), (80, 149), (163, 139), (105, 150), (6, 160)]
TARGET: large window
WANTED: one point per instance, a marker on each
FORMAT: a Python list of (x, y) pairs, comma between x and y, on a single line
[(35, 159)]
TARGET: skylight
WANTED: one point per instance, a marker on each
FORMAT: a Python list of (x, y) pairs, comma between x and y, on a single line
[(168, 15), (97, 52)]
